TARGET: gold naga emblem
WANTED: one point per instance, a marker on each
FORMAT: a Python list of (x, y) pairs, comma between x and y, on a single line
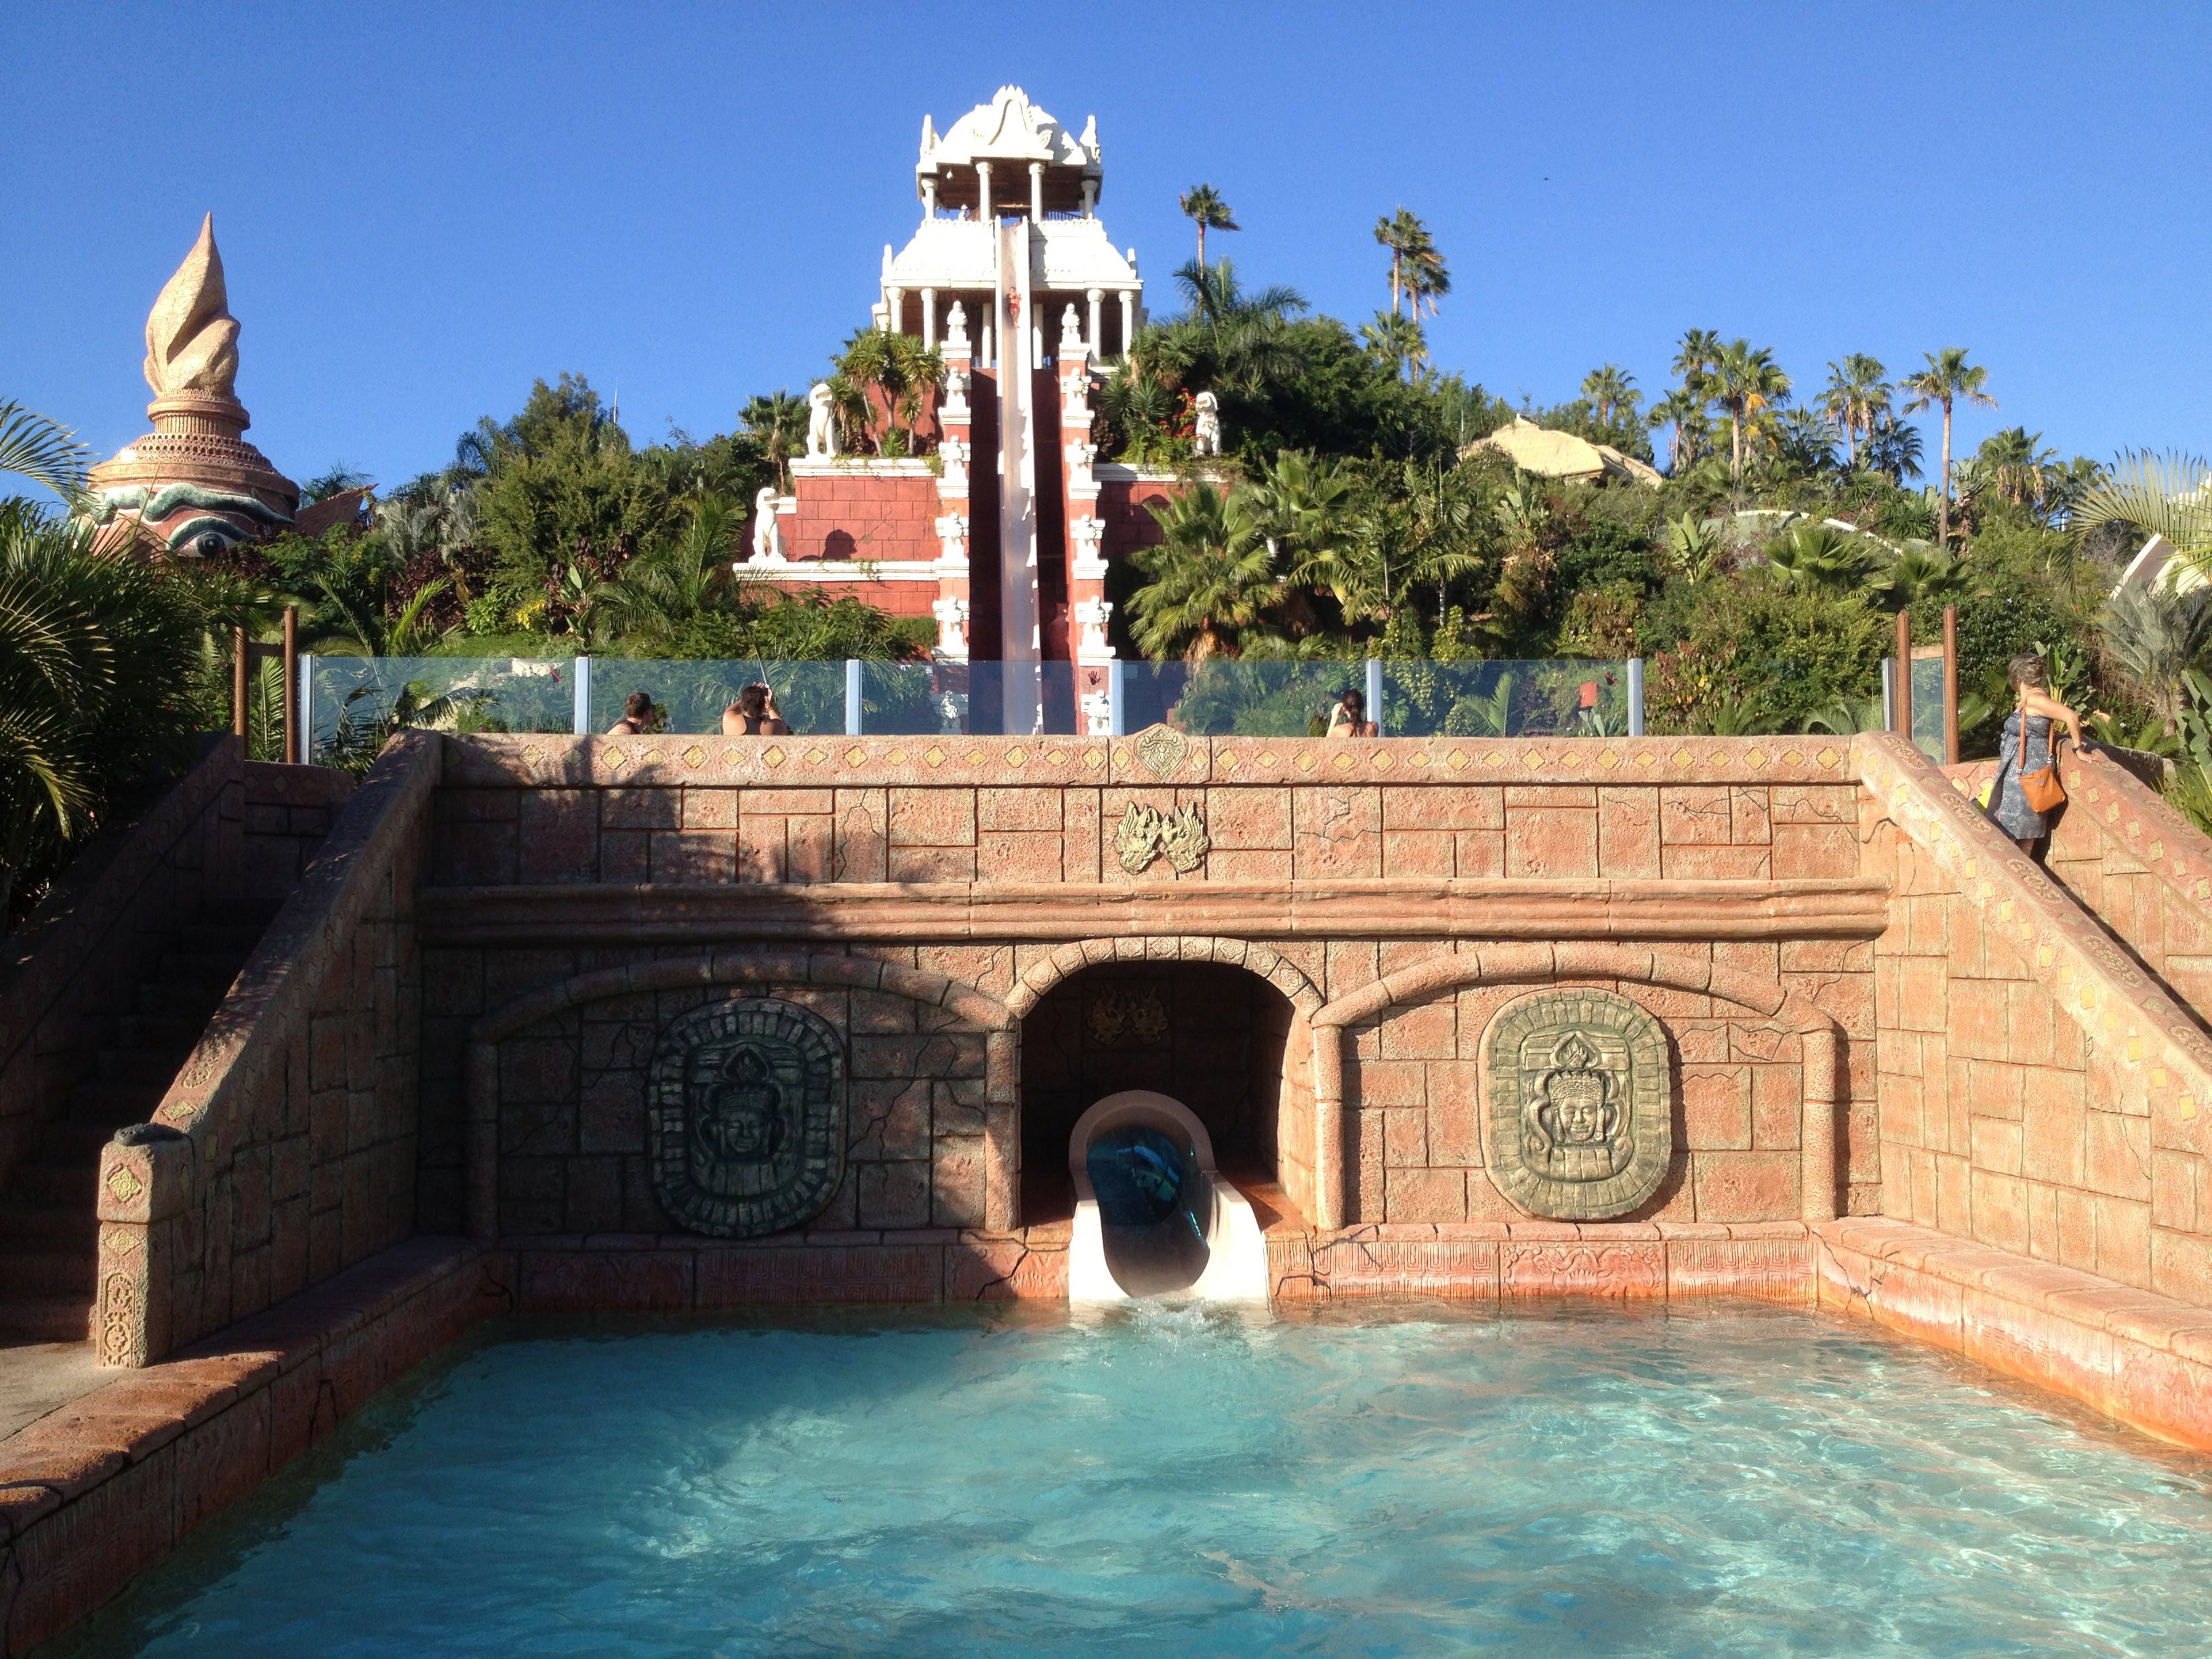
[(1145, 833), (1136, 1017)]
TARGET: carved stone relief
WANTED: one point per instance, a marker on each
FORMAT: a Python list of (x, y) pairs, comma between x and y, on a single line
[(1145, 833), (1578, 1104), (745, 1115), (1122, 1017)]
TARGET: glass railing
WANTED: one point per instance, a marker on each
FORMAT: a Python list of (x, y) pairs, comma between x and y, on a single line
[(353, 704)]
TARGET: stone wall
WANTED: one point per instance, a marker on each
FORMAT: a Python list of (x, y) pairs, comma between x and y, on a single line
[(285, 1150), (1330, 866), (289, 813), (854, 514), (2039, 1092), (77, 961)]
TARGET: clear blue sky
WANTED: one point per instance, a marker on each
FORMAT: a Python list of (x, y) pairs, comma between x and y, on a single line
[(422, 207)]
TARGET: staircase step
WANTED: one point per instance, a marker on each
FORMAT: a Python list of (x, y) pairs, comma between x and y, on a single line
[(46, 1318), (47, 1226), (44, 1180), (111, 1105), (140, 1067), (52, 1272)]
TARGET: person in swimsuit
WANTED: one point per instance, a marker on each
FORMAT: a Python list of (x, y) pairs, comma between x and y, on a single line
[(1349, 718), (2026, 746), (637, 715), (754, 714)]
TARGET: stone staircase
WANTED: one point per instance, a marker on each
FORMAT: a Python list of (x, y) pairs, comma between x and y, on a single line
[(48, 1228)]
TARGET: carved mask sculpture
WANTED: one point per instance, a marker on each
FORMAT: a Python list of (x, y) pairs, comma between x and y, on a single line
[(1577, 1099)]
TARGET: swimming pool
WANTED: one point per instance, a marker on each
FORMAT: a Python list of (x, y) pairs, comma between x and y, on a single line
[(1408, 1479)]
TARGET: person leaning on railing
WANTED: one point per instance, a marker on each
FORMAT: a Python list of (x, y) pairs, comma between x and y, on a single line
[(1349, 718), (637, 716), (754, 714)]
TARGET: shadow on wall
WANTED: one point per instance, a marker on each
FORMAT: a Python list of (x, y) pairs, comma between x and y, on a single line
[(1212, 1036)]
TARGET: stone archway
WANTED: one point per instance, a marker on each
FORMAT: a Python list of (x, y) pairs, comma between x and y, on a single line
[(1219, 1024)]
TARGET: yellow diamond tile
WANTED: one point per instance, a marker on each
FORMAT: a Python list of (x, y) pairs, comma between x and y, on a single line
[(1754, 758), (1268, 758), (933, 756), (1056, 757), (855, 755), (1017, 756), (1420, 760), (533, 755), (1607, 759), (896, 757), (975, 758), (1826, 757), (125, 1186), (654, 757), (1533, 760), (1342, 762), (1646, 758), (816, 756), (731, 757), (773, 757), (1458, 761), (695, 757), (1094, 758), (1493, 760), (1381, 760), (1793, 757), (1306, 759), (1681, 757), (611, 757), (1229, 763)]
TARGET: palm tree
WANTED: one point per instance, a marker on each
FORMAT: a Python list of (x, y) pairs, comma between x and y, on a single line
[(1920, 572), (1417, 270), (1399, 339), (1947, 378), (46, 452), (2016, 465), (1696, 357), (894, 366), (777, 422), (1203, 206), (1857, 393), (1206, 583), (2168, 496), (1822, 558), (1684, 411), (1745, 380), (1609, 387), (1892, 448)]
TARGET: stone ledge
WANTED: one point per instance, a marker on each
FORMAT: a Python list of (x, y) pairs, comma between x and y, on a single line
[(2142, 1358), (94, 1493)]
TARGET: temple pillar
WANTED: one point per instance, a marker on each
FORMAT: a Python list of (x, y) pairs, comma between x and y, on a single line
[(929, 319), (1129, 320), (1088, 609), (1036, 192), (929, 198), (1096, 298), (983, 191), (954, 417), (894, 310)]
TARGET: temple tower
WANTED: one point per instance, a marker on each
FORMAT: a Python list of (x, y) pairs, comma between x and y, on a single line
[(1011, 236), (193, 486)]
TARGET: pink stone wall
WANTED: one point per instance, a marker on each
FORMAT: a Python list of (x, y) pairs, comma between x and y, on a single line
[(862, 517), (292, 1154), (75, 965)]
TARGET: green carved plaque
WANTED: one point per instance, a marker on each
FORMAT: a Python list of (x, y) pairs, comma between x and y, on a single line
[(745, 1117), (1579, 1104)]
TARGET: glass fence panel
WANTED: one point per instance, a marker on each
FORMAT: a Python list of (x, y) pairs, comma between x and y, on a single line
[(999, 698), (1223, 697), (691, 695), (355, 703), (1928, 707)]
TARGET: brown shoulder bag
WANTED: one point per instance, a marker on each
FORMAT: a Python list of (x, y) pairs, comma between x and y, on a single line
[(2040, 788)]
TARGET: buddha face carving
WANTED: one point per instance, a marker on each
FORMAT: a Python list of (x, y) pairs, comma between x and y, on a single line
[(1575, 1125), (746, 1117), (1578, 1101), (740, 1116)]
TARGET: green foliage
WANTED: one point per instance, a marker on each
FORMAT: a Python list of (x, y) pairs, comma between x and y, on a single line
[(99, 663), (1760, 655)]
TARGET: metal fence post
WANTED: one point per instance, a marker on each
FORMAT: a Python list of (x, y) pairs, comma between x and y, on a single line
[(306, 755), (1636, 696), (1889, 694), (582, 671), (1117, 698), (853, 706), (1375, 692)]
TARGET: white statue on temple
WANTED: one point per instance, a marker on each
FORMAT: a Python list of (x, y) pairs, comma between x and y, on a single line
[(1206, 440), (821, 431), (1071, 332), (955, 328), (768, 534)]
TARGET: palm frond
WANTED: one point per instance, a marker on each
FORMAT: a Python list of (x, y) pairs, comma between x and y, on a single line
[(45, 451)]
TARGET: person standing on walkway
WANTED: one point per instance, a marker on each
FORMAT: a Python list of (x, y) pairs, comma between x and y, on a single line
[(2025, 748)]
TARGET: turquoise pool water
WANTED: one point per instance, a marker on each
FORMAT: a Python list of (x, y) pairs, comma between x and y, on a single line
[(1411, 1481)]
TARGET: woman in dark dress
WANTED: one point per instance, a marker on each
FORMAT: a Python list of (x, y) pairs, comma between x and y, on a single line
[(2026, 746)]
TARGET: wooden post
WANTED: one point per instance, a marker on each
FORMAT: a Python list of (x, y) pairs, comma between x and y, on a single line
[(1901, 704), (1950, 686), (296, 750), (238, 683)]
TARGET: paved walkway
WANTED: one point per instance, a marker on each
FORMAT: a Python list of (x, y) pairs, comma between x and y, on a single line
[(36, 1378)]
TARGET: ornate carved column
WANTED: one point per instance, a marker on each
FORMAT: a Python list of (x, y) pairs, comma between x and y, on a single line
[(954, 417), (1088, 608)]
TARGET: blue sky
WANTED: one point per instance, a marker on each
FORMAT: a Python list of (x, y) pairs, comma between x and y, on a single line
[(422, 207)]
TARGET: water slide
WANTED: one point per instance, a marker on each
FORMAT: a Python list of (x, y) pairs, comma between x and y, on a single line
[(1152, 1216)]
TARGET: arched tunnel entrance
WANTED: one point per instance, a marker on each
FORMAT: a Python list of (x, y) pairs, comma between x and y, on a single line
[(1212, 1036)]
